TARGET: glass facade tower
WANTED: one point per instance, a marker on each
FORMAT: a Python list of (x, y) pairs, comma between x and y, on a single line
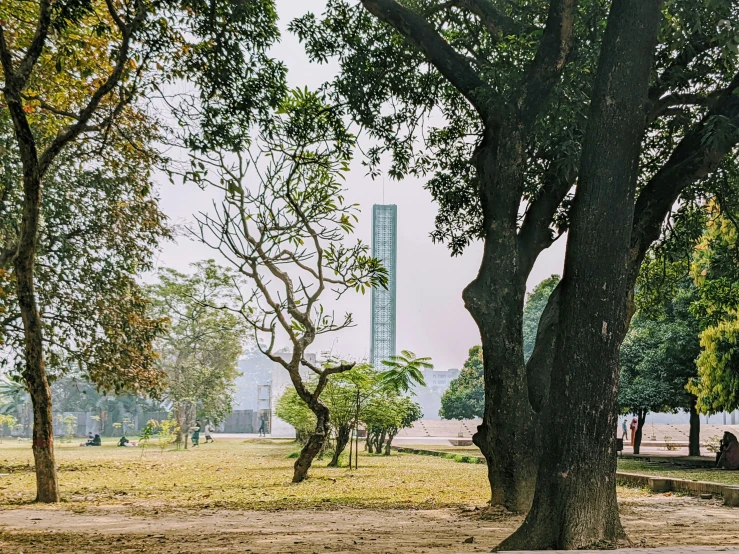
[(384, 248)]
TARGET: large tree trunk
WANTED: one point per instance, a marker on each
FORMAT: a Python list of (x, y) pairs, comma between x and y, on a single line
[(315, 443), (575, 501), (508, 436), (694, 444), (641, 419), (342, 439)]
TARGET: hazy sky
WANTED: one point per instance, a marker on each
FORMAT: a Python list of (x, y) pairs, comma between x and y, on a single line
[(432, 320)]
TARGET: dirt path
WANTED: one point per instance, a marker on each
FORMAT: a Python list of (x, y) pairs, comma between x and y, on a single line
[(650, 521)]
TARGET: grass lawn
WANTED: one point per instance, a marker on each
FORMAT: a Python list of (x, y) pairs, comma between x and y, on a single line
[(710, 475), (237, 474), (632, 466)]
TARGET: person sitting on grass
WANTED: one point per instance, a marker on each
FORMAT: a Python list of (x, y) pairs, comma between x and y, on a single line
[(124, 441), (728, 455), (96, 441)]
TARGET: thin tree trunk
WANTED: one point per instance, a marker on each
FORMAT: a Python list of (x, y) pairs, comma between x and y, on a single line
[(641, 419), (380, 441), (389, 443), (575, 503), (351, 446), (368, 443), (314, 444), (694, 444), (47, 487), (342, 439), (181, 425)]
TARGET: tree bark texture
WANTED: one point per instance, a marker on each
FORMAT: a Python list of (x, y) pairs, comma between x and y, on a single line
[(694, 443), (342, 439), (389, 443), (575, 504), (508, 436), (315, 442)]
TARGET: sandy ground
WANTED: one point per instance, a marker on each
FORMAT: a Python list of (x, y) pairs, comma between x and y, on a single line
[(650, 521)]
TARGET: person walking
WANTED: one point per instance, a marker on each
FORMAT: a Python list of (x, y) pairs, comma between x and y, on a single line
[(196, 434), (263, 428), (625, 433), (208, 429)]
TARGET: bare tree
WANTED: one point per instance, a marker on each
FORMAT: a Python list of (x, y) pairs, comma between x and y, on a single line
[(286, 232)]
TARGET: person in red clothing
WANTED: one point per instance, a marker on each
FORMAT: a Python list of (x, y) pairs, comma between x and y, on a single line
[(634, 426)]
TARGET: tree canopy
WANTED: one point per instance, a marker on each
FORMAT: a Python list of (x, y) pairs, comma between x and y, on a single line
[(199, 353), (465, 397), (715, 269), (536, 301), (658, 357)]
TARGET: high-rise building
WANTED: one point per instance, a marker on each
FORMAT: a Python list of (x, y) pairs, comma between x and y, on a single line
[(384, 248)]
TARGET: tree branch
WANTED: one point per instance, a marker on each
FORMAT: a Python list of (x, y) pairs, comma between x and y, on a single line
[(664, 105), (693, 159), (122, 58), (495, 22), (451, 64), (17, 79), (535, 234), (696, 46), (550, 60)]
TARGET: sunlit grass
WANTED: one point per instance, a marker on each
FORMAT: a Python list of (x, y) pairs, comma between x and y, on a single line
[(711, 475), (236, 474)]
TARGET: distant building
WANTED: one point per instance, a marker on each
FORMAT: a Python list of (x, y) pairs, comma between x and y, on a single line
[(384, 248), (256, 371), (440, 378), (429, 397)]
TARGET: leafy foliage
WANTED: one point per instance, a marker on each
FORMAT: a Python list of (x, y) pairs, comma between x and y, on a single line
[(6, 420), (404, 371), (423, 125), (536, 301), (715, 269), (293, 410), (386, 414), (658, 357), (465, 397), (200, 351), (99, 229)]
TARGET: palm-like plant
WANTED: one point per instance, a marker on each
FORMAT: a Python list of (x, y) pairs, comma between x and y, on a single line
[(13, 396), (404, 371)]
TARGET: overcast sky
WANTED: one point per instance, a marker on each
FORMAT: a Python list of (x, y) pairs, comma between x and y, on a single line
[(432, 320)]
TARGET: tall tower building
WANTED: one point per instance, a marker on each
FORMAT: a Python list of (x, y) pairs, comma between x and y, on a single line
[(384, 248)]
